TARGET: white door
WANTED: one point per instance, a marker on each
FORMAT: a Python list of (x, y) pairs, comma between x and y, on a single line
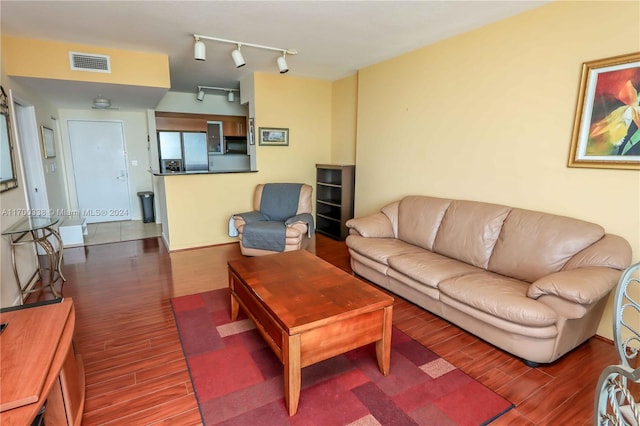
[(100, 170)]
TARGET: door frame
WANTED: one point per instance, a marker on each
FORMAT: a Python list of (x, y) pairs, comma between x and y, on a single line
[(72, 172)]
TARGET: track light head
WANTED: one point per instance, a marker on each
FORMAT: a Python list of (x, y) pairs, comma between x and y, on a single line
[(200, 96), (199, 50), (230, 96), (237, 57), (282, 64)]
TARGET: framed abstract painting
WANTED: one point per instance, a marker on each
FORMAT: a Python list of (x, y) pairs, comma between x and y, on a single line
[(606, 131)]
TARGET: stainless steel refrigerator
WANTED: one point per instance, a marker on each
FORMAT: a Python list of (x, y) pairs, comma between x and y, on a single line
[(183, 151)]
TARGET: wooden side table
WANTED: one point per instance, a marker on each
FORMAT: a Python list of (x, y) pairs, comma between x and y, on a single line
[(39, 365)]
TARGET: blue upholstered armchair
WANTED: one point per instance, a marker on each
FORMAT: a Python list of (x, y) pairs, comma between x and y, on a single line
[(281, 220)]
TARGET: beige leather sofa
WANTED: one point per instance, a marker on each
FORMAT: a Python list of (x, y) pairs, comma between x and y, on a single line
[(530, 283), (297, 237)]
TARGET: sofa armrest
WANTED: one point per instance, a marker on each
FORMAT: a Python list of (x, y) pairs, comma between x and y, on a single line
[(583, 285), (376, 225)]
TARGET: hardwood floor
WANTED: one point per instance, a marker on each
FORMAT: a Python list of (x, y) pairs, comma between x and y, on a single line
[(136, 372)]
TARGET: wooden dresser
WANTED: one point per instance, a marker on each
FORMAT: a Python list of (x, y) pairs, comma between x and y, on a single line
[(39, 366)]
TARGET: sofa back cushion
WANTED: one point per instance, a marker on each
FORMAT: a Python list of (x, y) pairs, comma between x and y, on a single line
[(534, 244), (469, 231), (419, 218)]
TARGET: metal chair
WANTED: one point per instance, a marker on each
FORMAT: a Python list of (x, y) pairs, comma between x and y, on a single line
[(615, 402)]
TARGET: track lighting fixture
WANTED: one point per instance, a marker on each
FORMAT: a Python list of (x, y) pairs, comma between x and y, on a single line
[(199, 50), (237, 57), (236, 54), (230, 95), (282, 63)]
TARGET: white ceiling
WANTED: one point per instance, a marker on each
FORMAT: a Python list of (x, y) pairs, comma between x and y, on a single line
[(334, 38)]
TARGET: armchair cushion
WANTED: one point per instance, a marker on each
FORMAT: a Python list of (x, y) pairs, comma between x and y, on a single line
[(266, 235)]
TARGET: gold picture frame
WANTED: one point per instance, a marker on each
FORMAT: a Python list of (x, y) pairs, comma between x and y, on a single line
[(48, 142), (273, 136), (606, 131)]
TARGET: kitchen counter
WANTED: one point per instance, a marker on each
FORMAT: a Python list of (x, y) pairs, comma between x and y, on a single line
[(194, 207), (203, 172)]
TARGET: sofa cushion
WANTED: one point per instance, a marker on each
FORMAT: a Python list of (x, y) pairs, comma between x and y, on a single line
[(419, 218), (380, 249), (500, 296), (368, 263), (430, 268), (534, 244), (469, 231)]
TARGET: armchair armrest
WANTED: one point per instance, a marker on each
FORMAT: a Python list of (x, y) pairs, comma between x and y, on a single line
[(303, 222), (583, 285), (376, 225), (238, 221), (248, 217)]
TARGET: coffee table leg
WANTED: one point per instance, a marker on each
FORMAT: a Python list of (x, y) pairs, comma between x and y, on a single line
[(383, 346), (234, 308), (291, 360), (234, 303)]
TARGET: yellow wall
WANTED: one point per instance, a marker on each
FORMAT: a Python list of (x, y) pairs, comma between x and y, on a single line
[(50, 59), (488, 116), (304, 106), (199, 206), (344, 109)]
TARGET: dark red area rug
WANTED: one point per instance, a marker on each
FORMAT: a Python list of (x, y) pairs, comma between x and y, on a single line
[(238, 380)]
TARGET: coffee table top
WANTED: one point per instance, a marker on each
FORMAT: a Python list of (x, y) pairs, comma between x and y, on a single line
[(302, 291)]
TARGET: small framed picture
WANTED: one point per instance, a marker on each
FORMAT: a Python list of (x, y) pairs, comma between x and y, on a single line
[(48, 144), (251, 133), (274, 136)]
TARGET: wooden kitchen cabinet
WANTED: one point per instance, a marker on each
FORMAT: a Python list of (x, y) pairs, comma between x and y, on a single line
[(234, 126)]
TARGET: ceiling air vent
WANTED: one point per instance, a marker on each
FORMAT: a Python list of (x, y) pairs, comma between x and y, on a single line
[(89, 62)]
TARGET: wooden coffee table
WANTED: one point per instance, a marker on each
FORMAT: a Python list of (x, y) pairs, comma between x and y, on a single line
[(307, 310)]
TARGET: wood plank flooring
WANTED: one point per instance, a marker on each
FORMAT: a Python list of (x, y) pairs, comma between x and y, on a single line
[(136, 373)]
